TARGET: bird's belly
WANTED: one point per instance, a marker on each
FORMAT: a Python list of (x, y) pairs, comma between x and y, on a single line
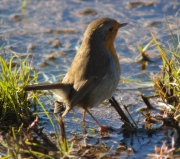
[(103, 90)]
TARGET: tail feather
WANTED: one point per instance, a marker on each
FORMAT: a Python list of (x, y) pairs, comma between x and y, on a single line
[(61, 90), (46, 86)]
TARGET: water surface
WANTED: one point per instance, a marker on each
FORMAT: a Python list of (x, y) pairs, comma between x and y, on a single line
[(33, 29)]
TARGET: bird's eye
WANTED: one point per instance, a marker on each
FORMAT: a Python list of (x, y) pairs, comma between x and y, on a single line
[(111, 29)]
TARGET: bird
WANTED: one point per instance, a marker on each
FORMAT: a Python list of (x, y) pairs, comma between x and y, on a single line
[(94, 73)]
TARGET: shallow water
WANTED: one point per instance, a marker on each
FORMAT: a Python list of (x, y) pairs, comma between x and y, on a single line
[(41, 21)]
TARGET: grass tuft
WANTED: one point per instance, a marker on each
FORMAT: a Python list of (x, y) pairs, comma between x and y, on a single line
[(167, 82), (14, 73)]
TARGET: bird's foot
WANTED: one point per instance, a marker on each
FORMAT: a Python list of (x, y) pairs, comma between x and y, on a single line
[(58, 107)]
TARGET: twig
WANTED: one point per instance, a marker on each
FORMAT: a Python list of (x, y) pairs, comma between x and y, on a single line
[(146, 101)]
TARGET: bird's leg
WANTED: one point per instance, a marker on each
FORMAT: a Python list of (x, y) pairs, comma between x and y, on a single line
[(84, 115), (66, 111), (101, 127), (84, 123)]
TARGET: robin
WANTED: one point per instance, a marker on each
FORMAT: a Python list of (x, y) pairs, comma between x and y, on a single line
[(94, 73)]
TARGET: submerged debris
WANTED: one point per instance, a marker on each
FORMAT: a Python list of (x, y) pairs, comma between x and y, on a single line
[(17, 17), (88, 11), (55, 43), (31, 47)]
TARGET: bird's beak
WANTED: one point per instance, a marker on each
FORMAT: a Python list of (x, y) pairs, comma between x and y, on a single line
[(122, 24)]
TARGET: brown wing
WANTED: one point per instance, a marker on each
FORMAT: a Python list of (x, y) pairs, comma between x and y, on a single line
[(82, 89), (85, 73)]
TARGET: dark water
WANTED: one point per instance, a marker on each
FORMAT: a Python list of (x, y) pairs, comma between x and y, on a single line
[(34, 25)]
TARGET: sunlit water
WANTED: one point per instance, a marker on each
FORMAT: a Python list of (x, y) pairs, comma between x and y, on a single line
[(20, 28)]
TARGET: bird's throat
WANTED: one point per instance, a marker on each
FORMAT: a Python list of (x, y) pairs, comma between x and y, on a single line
[(112, 51)]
